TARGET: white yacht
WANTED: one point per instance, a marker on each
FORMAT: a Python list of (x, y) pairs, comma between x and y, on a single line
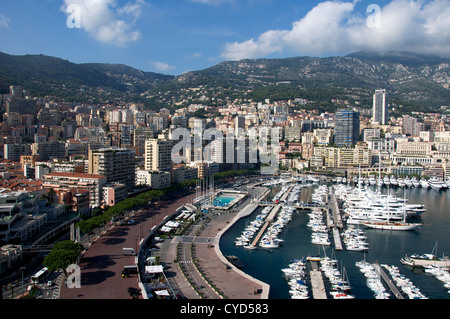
[(408, 182), (401, 182), (424, 183), (415, 182), (386, 180), (392, 225), (393, 181), (435, 183)]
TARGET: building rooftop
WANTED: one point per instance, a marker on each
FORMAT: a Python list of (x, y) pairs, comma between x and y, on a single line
[(75, 175)]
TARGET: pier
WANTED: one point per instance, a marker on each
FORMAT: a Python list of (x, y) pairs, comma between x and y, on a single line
[(286, 194), (388, 282), (337, 239), (269, 219), (317, 284), (335, 209)]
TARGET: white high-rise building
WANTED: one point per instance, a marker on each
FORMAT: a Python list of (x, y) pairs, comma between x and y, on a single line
[(380, 107), (239, 123), (158, 155)]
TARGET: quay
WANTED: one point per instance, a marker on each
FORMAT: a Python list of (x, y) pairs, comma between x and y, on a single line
[(335, 209), (269, 219), (286, 194), (317, 284), (388, 282), (337, 239)]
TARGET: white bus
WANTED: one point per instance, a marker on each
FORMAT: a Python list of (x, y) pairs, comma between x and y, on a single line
[(40, 276)]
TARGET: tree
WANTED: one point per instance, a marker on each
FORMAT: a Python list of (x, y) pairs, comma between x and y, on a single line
[(63, 254)]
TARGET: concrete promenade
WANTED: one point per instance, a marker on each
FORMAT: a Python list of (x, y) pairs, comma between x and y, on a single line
[(102, 262)]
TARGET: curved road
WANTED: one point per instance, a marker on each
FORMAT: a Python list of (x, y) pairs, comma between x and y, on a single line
[(103, 262)]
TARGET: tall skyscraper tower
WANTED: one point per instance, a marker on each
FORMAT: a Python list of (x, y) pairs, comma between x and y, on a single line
[(380, 107), (346, 128)]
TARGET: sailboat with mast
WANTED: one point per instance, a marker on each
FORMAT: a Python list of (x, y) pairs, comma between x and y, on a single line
[(426, 260), (393, 225)]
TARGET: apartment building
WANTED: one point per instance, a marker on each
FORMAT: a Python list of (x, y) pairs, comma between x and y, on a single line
[(114, 193), (183, 173), (414, 148), (334, 157), (154, 179), (59, 181), (118, 165), (158, 155), (19, 216)]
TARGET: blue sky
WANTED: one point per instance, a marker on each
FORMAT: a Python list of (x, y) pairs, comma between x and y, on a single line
[(176, 36)]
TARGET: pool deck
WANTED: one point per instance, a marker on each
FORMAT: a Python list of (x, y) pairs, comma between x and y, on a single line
[(237, 197)]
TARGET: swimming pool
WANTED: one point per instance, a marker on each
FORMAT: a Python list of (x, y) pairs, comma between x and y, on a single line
[(223, 200)]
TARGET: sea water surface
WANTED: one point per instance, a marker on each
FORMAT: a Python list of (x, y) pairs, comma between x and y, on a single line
[(385, 247)]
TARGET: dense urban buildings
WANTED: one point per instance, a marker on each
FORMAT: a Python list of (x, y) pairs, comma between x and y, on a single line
[(63, 158)]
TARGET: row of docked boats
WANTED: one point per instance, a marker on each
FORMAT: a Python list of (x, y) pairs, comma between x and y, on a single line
[(433, 182), (290, 180), (319, 235), (365, 206), (355, 239), (340, 286), (295, 275), (373, 279), (270, 238), (403, 283), (319, 195), (441, 273), (250, 231)]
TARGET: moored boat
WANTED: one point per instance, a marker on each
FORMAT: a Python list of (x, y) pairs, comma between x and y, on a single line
[(392, 225)]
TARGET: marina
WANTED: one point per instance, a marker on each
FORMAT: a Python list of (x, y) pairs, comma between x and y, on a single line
[(296, 240)]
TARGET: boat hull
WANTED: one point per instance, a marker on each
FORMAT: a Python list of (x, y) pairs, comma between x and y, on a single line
[(392, 226)]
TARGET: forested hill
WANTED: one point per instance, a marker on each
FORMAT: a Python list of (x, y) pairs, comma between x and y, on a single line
[(418, 80)]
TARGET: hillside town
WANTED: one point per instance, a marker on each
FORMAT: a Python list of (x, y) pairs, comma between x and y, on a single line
[(60, 160)]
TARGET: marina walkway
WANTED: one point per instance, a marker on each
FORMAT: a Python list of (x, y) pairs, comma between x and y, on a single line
[(286, 194), (335, 209), (337, 239), (317, 284), (269, 219), (388, 282)]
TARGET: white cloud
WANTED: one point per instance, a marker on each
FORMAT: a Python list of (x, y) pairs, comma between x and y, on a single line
[(161, 66), (4, 22), (107, 22), (212, 2), (336, 27)]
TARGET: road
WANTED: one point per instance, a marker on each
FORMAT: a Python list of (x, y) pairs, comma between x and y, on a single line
[(103, 262)]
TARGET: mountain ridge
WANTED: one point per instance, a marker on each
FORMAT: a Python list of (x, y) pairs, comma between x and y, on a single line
[(419, 79)]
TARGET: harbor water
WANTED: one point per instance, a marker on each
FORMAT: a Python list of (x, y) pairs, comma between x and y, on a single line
[(385, 247)]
